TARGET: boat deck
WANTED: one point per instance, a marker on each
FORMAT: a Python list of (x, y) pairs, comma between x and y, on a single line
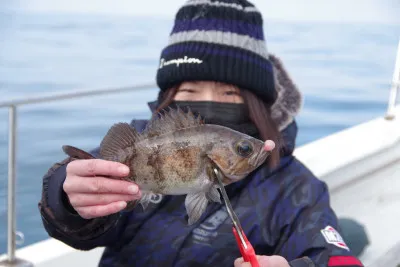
[(374, 201)]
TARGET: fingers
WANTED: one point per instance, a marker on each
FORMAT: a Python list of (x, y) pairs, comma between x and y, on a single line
[(269, 145), (239, 262), (264, 261), (84, 200), (94, 167), (101, 210), (274, 261), (98, 185), (98, 196)]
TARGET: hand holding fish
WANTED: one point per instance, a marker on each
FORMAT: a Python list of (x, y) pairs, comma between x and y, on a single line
[(174, 155), (92, 194)]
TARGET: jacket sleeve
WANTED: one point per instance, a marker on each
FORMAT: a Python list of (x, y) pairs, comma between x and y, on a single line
[(62, 222), (310, 235)]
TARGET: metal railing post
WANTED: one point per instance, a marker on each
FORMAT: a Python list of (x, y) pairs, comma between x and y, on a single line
[(12, 260), (12, 136), (390, 115)]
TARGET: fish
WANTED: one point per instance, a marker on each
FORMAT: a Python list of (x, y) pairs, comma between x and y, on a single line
[(175, 155)]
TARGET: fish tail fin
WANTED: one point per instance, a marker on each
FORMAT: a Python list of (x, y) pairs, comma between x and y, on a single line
[(118, 137), (76, 153)]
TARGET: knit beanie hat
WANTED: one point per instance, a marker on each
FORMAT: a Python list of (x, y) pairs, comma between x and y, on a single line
[(218, 40)]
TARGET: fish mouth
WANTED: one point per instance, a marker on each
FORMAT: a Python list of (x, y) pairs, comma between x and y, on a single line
[(226, 177), (258, 158), (233, 177), (254, 161), (230, 178)]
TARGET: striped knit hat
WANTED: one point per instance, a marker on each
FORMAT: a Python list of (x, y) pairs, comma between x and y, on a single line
[(218, 40)]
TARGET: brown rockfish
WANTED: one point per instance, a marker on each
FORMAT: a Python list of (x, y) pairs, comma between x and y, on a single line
[(175, 155)]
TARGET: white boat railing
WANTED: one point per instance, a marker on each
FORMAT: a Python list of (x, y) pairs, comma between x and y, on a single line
[(13, 105), (395, 87)]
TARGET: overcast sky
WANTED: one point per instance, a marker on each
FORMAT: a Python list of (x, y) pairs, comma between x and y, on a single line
[(319, 10)]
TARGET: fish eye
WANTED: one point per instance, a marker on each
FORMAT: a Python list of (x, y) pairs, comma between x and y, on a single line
[(244, 148)]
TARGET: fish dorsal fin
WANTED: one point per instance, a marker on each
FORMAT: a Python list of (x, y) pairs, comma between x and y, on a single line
[(171, 120), (119, 136)]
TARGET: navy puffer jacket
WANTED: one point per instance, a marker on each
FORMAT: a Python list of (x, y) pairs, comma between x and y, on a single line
[(284, 211)]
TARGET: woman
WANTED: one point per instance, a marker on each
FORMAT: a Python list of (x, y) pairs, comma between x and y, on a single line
[(217, 64)]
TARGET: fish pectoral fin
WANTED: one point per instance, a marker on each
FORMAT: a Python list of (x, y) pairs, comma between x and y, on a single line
[(196, 204), (213, 195)]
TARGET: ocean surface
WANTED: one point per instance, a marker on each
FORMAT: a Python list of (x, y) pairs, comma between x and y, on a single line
[(344, 72)]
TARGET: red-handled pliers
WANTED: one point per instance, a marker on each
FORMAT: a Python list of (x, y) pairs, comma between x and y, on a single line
[(246, 249)]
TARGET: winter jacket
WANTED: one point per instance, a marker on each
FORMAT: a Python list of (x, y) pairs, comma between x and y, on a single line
[(283, 211)]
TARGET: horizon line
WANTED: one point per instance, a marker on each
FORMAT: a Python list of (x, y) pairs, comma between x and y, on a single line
[(171, 17)]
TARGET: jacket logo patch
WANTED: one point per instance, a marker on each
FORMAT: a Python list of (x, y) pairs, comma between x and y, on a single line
[(207, 231), (333, 237)]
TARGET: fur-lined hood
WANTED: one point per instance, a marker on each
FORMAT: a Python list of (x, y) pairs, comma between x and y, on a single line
[(289, 101)]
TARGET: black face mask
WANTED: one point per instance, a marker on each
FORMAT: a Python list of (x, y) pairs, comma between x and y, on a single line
[(232, 115)]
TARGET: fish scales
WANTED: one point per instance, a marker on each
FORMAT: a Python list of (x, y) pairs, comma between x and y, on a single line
[(169, 161)]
